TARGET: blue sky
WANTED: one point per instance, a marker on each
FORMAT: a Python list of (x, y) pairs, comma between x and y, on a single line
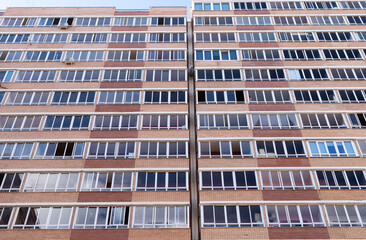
[(121, 4)]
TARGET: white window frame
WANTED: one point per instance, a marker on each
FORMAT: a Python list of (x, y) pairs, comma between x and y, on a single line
[(295, 184), (91, 180), (168, 122), (125, 94), (337, 153), (224, 117), (272, 95), (110, 119), (265, 154), (72, 75), (104, 155), (325, 116), (46, 177)]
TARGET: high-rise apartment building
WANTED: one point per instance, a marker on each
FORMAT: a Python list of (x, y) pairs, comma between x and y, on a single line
[(246, 121)]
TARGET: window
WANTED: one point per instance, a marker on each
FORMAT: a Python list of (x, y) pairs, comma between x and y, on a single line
[(168, 97), (20, 123), (166, 21), (330, 120), (42, 56), (362, 145), (287, 180), (54, 22), (122, 75), (115, 122), (89, 38), (346, 215), (162, 181), (167, 37), (49, 38), (286, 6), (163, 150), (123, 56), (130, 22), (35, 76), (294, 216), (250, 6), (274, 121), (321, 5), (213, 21), (302, 55), (357, 120), (6, 56), (74, 123), (352, 96), (302, 20), (265, 20), (27, 98), (348, 74), (219, 75), (93, 22), (332, 149), (164, 122), (280, 149), (264, 97), (220, 97), (101, 217), (296, 37), (85, 56), (215, 37), (315, 96), (361, 36), (225, 121), (5, 216), (232, 216), (6, 76), (60, 150), (165, 75), (111, 150), (161, 217), (213, 6), (341, 179), (79, 76), (327, 20), (15, 150), (107, 181), (216, 55), (349, 54), (121, 97), (261, 55), (14, 38), (10, 182), (128, 38), (335, 36), (308, 74), (225, 149), (237, 180), (2, 94), (353, 5), (18, 22), (52, 182), (73, 98), (156, 55), (257, 37), (357, 20), (43, 218)]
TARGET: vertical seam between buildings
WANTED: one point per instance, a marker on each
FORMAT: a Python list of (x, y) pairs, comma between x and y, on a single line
[(195, 226)]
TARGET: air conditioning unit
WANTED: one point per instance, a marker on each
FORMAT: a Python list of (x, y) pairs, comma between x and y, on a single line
[(69, 61), (64, 25)]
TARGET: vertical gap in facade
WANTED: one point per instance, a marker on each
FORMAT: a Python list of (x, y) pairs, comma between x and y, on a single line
[(195, 223)]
